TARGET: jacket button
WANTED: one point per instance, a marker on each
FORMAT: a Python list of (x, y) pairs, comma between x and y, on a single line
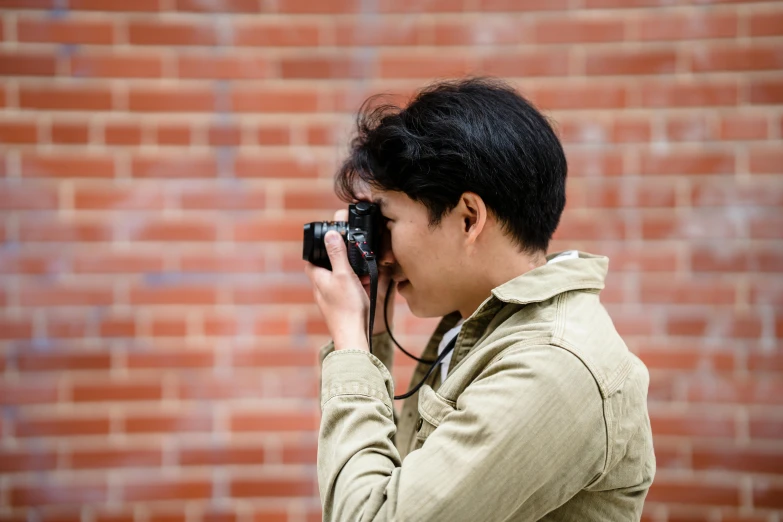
[(419, 423)]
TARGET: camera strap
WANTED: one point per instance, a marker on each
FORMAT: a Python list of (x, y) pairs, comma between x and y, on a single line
[(372, 268)]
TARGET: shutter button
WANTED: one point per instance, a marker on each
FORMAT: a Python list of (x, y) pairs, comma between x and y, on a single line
[(419, 423)]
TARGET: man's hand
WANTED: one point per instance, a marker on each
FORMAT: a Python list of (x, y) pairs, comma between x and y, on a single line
[(340, 296)]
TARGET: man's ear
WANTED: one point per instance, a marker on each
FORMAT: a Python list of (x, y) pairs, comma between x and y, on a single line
[(473, 213)]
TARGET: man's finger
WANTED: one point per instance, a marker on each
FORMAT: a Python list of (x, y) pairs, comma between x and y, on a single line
[(341, 215), (335, 248)]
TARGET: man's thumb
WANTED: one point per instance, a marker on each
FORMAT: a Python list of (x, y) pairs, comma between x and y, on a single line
[(335, 247)]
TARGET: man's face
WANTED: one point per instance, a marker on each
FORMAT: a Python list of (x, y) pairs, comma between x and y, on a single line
[(424, 260)]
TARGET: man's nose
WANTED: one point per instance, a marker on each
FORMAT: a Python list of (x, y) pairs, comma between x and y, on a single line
[(387, 258)]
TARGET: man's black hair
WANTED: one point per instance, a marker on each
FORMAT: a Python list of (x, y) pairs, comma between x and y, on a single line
[(472, 135)]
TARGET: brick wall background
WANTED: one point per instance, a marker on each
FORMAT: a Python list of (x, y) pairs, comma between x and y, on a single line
[(159, 157)]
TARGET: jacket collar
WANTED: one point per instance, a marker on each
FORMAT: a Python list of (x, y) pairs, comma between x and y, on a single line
[(587, 272)]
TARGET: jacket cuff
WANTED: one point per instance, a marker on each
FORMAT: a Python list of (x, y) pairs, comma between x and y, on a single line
[(356, 372)]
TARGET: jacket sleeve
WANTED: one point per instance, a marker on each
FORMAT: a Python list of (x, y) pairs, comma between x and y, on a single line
[(525, 436)]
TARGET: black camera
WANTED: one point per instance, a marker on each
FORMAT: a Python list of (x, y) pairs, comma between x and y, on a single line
[(361, 233)]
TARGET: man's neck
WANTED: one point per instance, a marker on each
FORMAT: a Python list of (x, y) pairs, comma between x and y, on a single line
[(499, 269)]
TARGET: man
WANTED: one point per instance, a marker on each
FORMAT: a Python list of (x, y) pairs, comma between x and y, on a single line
[(540, 414)]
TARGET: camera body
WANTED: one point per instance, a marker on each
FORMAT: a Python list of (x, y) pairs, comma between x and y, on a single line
[(361, 233)]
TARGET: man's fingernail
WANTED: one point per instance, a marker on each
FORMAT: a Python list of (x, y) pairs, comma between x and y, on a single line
[(332, 238)]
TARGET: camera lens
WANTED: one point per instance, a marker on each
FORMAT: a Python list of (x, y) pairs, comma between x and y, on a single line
[(313, 246)]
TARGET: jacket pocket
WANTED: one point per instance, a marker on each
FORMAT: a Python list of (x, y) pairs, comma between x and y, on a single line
[(433, 408)]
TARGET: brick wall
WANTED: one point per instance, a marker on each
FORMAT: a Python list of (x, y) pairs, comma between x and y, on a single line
[(157, 335)]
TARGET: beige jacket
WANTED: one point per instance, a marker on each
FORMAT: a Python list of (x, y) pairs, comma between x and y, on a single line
[(543, 415)]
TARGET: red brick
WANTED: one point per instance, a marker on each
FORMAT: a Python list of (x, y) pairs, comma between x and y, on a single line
[(237, 198), (122, 134), (21, 263), (743, 127), (224, 6), (687, 162), (274, 101), (45, 295), (65, 30), (27, 64), (271, 422), (699, 24), (696, 127), (117, 327), (594, 164), (766, 23), (169, 328), (182, 99), (538, 63), (422, 66), (222, 263), (162, 489), (225, 135), (732, 458), (47, 229), (171, 294), (66, 327), (271, 167), (300, 453), (116, 5), (116, 65), (62, 425), (306, 6), (631, 130), (751, 193), (273, 135), (758, 390), (171, 33), (564, 96), (273, 293), (272, 34), (12, 461), (65, 97), (174, 166), (115, 458), (311, 199), (585, 227), (383, 32), (112, 197), (171, 358), (272, 358), (665, 290), (167, 230), (109, 391), (694, 491), (326, 67), (222, 456), (272, 488), (630, 62), (766, 160), (22, 393), (173, 134), (757, 57), (18, 132), (186, 422), (671, 94), (67, 166), (70, 132), (578, 30), (766, 495), (236, 67), (684, 357), (522, 5), (766, 91), (762, 426), (70, 494)]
